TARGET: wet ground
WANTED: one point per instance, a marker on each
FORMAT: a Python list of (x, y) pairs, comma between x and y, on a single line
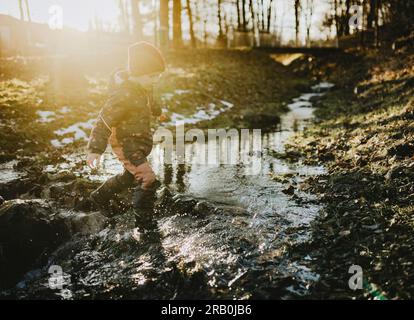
[(224, 230)]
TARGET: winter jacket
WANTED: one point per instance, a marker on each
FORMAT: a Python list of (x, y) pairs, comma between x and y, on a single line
[(128, 113)]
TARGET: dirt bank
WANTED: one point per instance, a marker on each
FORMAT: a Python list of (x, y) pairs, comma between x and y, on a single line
[(365, 137)]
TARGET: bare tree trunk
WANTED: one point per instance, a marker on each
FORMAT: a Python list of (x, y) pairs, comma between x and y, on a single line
[(164, 24), (361, 30), (190, 18), (269, 15), (205, 36), (121, 15), (376, 24), (348, 8), (177, 28), (254, 26), (221, 34), (123, 22), (238, 14), (336, 21), (263, 15), (297, 21), (219, 18), (244, 15), (136, 19), (257, 14), (370, 17), (275, 20), (29, 18), (21, 10), (127, 17), (309, 15)]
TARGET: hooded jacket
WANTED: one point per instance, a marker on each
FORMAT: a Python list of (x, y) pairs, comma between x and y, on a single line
[(128, 110)]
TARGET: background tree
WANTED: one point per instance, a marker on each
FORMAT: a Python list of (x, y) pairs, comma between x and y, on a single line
[(29, 18), (123, 16), (269, 15), (136, 19), (239, 24), (346, 17), (164, 24), (177, 27), (297, 20), (221, 37), (244, 17), (191, 24), (21, 10), (308, 19)]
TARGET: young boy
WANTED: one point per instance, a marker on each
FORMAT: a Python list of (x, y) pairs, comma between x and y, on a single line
[(124, 122)]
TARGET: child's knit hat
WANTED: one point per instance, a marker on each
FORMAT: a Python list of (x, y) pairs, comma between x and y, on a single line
[(144, 58)]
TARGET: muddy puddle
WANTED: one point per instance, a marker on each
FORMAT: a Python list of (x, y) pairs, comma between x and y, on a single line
[(224, 232)]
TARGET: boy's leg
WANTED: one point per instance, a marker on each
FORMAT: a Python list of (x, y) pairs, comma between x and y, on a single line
[(116, 184), (143, 201), (144, 196)]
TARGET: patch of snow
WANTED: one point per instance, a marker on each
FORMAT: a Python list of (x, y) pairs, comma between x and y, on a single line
[(308, 96), (210, 113), (169, 96), (227, 104), (45, 116), (65, 109), (78, 131), (56, 143), (322, 86), (181, 91), (299, 104)]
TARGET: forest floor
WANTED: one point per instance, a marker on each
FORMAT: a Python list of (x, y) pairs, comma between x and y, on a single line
[(364, 138)]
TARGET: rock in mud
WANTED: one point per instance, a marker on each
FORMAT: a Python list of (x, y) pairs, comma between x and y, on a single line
[(404, 173), (82, 223), (289, 190), (64, 175), (394, 172), (12, 189), (69, 193), (188, 205), (27, 232), (402, 150)]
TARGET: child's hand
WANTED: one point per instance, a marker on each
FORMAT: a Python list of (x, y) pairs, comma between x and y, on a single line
[(163, 118), (93, 160)]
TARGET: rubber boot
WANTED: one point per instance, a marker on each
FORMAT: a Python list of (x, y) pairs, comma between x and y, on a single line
[(104, 194), (143, 201)]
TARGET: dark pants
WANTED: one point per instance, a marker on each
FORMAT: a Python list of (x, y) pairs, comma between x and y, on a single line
[(125, 180), (139, 174), (142, 199)]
